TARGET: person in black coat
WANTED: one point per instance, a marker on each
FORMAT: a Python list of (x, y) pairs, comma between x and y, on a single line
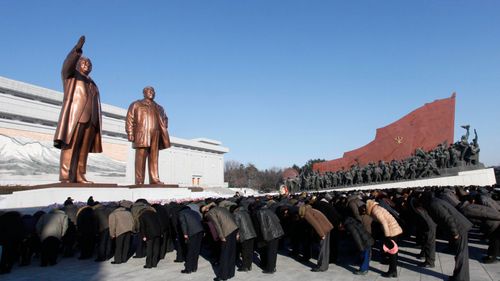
[(69, 239), (30, 236), (293, 227), (164, 223), (325, 207), (247, 236), (103, 239), (448, 217), (488, 219), (136, 210), (11, 234), (192, 232), (428, 229), (175, 234), (270, 231), (86, 225), (363, 241), (150, 232)]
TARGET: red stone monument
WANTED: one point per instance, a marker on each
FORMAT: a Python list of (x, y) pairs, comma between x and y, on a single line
[(425, 128)]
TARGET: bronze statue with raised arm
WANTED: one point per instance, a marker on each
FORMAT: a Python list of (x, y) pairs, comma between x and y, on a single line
[(146, 127), (78, 131)]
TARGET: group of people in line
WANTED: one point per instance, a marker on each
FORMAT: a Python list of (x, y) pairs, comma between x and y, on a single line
[(233, 233)]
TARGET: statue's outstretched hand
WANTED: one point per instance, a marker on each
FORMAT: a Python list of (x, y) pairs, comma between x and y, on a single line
[(80, 43)]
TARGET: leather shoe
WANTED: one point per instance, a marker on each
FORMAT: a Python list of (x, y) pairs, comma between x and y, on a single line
[(317, 269), (146, 266), (390, 274), (115, 262), (185, 271), (243, 269), (178, 261), (426, 265), (82, 179), (359, 272), (489, 259), (269, 271)]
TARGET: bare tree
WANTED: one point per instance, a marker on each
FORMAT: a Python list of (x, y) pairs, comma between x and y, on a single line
[(239, 175)]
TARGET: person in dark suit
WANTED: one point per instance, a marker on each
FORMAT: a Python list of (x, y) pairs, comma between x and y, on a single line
[(51, 227), (121, 225), (247, 236), (11, 234), (227, 230), (103, 238), (86, 226), (448, 217), (150, 231), (164, 224), (192, 232)]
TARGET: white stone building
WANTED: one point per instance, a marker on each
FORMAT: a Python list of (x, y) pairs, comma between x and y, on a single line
[(28, 117)]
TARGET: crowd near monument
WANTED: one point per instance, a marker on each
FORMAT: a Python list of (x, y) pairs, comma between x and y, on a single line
[(306, 222)]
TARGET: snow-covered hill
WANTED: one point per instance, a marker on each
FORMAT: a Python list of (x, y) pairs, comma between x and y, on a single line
[(24, 156)]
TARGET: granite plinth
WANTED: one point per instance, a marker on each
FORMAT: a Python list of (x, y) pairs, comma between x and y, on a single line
[(48, 196), (75, 184), (476, 177), (153, 186)]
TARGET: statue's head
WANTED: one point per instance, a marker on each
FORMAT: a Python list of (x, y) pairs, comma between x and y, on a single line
[(84, 65), (149, 93)]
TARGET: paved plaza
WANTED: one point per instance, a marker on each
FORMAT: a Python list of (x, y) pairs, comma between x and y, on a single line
[(287, 269)]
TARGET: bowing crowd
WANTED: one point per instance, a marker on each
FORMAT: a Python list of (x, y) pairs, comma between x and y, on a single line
[(233, 233)]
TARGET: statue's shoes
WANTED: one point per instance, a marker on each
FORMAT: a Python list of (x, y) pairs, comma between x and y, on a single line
[(85, 181), (157, 182), (82, 179)]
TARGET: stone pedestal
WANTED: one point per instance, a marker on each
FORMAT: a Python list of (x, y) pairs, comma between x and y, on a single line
[(153, 186)]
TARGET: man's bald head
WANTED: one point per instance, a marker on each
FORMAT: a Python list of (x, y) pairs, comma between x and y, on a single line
[(149, 92)]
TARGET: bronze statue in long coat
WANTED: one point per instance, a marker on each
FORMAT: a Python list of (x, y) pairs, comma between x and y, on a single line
[(146, 127), (79, 128)]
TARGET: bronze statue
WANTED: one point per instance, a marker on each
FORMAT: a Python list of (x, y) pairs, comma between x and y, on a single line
[(79, 128), (146, 127)]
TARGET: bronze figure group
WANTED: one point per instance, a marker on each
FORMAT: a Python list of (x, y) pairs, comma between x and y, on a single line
[(79, 128)]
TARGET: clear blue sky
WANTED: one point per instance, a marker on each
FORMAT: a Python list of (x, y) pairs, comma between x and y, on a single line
[(278, 82)]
